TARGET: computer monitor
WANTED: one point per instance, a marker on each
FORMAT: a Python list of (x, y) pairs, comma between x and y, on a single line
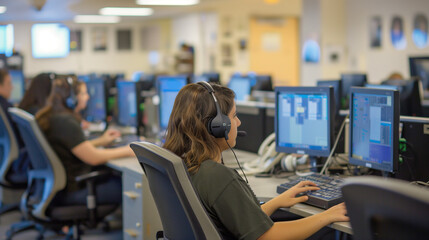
[(419, 67), (96, 110), (168, 88), (336, 84), (349, 80), (374, 128), (304, 120), (241, 86), (18, 83), (129, 100), (263, 83), (382, 86), (415, 165), (212, 77), (409, 93)]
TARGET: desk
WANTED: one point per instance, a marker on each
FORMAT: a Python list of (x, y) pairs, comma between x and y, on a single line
[(143, 220), (139, 214)]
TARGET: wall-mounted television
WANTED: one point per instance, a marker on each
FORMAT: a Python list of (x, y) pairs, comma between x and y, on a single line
[(50, 40), (6, 40)]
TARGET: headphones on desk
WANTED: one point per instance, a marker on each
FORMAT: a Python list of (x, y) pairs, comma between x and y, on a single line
[(220, 125)]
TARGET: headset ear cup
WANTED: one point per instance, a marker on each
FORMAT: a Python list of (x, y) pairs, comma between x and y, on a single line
[(288, 163)]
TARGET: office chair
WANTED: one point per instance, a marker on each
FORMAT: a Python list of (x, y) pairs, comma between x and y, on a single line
[(46, 179), (9, 152), (386, 208), (182, 214)]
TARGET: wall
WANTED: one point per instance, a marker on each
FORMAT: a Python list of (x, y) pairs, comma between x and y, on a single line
[(87, 61), (379, 63)]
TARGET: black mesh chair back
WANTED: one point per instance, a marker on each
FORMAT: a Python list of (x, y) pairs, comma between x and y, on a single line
[(182, 214), (386, 209)]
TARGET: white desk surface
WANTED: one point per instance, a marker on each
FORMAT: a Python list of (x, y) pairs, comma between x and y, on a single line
[(262, 187)]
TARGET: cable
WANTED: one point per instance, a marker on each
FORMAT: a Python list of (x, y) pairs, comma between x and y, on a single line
[(237, 161), (334, 147)]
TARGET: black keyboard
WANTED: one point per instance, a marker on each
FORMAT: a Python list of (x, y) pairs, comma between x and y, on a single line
[(124, 140), (328, 195)]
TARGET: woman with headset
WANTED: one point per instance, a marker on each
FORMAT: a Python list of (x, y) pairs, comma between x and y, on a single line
[(203, 123), (60, 122)]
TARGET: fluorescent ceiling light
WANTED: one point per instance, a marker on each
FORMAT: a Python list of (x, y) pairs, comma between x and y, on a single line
[(122, 11), (96, 19), (2, 9), (167, 2)]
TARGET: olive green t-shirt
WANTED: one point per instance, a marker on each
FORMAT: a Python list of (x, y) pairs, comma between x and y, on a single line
[(230, 202), (64, 133)]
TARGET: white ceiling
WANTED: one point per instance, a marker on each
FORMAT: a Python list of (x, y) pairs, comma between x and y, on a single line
[(65, 10)]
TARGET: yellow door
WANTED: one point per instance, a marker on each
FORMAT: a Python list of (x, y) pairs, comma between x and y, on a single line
[(274, 50)]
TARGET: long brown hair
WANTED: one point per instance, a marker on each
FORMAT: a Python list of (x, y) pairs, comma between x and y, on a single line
[(38, 92), (56, 102), (187, 133)]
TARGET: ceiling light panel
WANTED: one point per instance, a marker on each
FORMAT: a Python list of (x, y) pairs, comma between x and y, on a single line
[(96, 19), (3, 9), (167, 2), (121, 11)]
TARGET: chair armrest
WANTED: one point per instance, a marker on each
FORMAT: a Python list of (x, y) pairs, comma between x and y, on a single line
[(92, 175)]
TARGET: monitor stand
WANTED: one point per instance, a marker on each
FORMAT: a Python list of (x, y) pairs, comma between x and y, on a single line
[(316, 163)]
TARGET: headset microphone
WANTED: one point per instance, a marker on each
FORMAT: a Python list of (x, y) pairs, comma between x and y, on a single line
[(241, 133)]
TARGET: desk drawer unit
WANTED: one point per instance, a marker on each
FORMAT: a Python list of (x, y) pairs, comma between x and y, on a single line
[(140, 216)]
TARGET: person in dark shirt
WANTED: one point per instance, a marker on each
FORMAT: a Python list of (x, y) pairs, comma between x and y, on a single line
[(228, 199), (35, 96), (60, 122), (19, 168)]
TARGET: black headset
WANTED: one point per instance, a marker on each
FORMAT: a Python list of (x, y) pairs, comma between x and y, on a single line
[(71, 100), (220, 125)]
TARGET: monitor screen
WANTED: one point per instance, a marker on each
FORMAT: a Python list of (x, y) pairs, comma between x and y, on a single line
[(336, 84), (347, 81), (263, 83), (168, 88), (127, 103), (382, 86), (6, 40), (374, 128), (419, 67), (212, 77), (96, 107), (50, 40), (18, 83), (304, 120), (241, 86)]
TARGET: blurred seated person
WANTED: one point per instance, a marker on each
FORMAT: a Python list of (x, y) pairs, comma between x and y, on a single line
[(18, 171), (60, 121), (395, 76), (35, 96)]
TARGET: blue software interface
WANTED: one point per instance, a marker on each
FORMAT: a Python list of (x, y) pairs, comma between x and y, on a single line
[(241, 86), (127, 103), (303, 120), (168, 88), (96, 106), (18, 83), (372, 123)]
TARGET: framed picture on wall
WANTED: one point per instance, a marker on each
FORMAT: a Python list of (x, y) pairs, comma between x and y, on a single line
[(397, 33), (75, 40), (420, 31), (99, 39), (123, 39), (375, 32)]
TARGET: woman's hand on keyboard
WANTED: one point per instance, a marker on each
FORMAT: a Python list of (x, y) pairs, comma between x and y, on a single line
[(290, 198), (337, 213)]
